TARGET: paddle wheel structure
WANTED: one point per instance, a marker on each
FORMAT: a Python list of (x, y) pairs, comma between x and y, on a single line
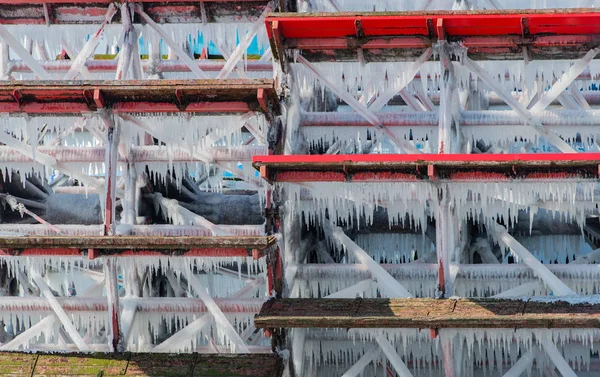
[(437, 187), (398, 188)]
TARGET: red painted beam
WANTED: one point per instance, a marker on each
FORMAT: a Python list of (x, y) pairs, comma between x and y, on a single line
[(93, 254), (211, 96), (482, 32), (411, 167)]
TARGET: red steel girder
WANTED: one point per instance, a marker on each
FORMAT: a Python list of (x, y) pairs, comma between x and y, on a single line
[(547, 34), (209, 96), (412, 167), (161, 11), (133, 246)]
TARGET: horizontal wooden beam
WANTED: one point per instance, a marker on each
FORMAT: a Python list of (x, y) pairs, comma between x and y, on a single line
[(140, 364), (161, 11), (64, 97), (426, 313), (412, 167), (96, 246), (393, 36)]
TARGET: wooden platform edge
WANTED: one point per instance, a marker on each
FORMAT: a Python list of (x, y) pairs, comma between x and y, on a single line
[(428, 313), (139, 364)]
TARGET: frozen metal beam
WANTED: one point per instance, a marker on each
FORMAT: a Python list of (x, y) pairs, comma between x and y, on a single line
[(367, 113), (521, 365), (180, 215), (558, 287), (528, 117), (181, 339), (156, 305), (398, 86), (358, 367), (556, 357), (59, 311), (24, 54), (298, 357), (240, 49), (113, 134), (409, 271), (23, 338), (112, 298), (172, 44), (215, 311), (389, 286), (129, 37), (90, 46), (354, 290), (565, 80), (520, 291), (164, 66), (127, 317), (558, 117), (41, 158), (393, 357)]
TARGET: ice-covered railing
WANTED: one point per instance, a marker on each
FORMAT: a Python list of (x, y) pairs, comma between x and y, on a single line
[(502, 129), (408, 5)]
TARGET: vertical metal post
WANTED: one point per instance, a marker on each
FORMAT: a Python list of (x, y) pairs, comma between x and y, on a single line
[(112, 296), (112, 142)]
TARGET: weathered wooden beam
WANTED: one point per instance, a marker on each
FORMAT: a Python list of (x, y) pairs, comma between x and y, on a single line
[(139, 364), (136, 242), (411, 167), (92, 11), (426, 313), (213, 96)]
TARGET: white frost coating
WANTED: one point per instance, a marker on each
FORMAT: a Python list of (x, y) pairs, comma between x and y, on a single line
[(395, 247), (555, 247), (486, 349), (558, 287), (484, 202)]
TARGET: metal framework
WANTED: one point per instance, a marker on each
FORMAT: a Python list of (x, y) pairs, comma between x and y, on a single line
[(401, 154), (142, 121), (420, 174)]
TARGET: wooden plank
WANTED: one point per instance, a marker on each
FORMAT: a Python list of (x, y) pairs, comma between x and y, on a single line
[(80, 365), (232, 95), (19, 364), (264, 365), (14, 364), (411, 167), (163, 365), (92, 11), (425, 313), (137, 242)]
